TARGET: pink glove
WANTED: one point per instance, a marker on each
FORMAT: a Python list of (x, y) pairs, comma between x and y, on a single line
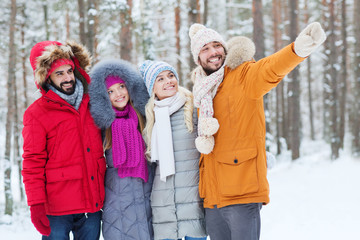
[(39, 219)]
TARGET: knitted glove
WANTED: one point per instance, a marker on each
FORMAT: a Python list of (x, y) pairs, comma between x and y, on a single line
[(39, 219), (309, 39)]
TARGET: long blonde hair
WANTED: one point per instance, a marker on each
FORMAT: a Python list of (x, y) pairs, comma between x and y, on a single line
[(107, 143), (150, 116)]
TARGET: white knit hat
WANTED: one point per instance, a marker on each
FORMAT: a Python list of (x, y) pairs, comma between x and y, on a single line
[(200, 36)]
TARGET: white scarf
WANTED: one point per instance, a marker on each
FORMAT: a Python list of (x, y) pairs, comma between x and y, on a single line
[(204, 90), (161, 137)]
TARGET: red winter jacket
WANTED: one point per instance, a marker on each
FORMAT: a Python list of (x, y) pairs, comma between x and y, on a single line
[(63, 161)]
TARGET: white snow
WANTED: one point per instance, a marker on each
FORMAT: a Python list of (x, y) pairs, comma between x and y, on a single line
[(312, 198)]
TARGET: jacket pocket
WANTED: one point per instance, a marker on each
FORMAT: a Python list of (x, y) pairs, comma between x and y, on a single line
[(237, 172), (64, 188)]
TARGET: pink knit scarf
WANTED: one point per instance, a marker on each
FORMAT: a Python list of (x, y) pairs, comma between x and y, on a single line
[(128, 147)]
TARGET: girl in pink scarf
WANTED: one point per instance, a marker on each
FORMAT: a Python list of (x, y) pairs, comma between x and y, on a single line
[(118, 97), (128, 146)]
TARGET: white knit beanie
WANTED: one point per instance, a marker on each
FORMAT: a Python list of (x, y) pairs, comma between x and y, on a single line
[(200, 36)]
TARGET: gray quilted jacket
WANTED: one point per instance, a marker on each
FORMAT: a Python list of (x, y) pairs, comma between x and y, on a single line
[(126, 211), (176, 206)]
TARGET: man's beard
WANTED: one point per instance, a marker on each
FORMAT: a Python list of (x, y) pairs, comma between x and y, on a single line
[(69, 91), (208, 70)]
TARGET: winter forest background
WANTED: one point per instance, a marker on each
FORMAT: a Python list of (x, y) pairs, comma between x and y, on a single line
[(319, 100)]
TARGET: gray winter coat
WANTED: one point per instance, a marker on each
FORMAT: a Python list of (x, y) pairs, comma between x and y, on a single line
[(176, 206), (126, 211)]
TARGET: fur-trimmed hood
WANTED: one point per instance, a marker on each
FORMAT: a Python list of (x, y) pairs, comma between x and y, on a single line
[(43, 54), (101, 108), (240, 49)]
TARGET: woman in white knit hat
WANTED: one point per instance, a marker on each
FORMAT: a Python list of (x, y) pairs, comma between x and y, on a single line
[(170, 134)]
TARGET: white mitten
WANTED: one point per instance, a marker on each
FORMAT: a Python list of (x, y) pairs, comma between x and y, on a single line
[(205, 144), (309, 39)]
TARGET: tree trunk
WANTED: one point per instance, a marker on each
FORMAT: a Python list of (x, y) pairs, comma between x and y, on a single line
[(294, 89), (146, 36), (343, 87), (25, 97), (356, 104), (192, 18), (258, 36), (310, 100), (229, 16), (258, 29), (126, 32), (17, 131), (90, 26), (67, 23), (309, 78), (96, 26), (10, 114), (326, 83), (283, 85), (206, 11), (46, 19), (198, 19), (279, 89), (332, 74), (177, 36), (23, 55), (82, 21)]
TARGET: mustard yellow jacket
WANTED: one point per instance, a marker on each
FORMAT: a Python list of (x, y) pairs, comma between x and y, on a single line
[(235, 171)]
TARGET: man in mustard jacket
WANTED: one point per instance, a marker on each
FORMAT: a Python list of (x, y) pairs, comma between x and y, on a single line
[(228, 91)]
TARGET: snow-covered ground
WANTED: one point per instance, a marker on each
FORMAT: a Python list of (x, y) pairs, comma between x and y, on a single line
[(313, 198)]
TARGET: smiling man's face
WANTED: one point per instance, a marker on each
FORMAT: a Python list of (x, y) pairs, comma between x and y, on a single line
[(212, 57), (63, 79)]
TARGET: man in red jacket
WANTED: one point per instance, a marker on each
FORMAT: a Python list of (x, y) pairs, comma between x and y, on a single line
[(63, 166)]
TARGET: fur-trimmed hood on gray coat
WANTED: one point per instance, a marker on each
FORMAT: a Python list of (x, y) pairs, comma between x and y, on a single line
[(101, 108)]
